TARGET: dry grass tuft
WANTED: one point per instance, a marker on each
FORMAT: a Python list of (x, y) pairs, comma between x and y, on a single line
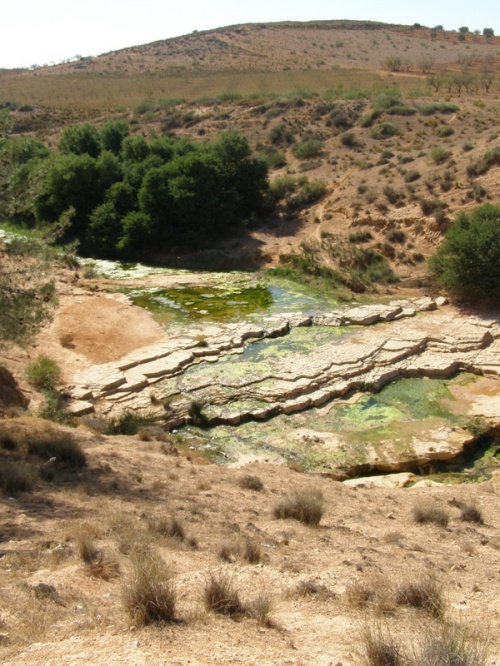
[(228, 552), (425, 594), (169, 527), (97, 565), (381, 649), (221, 595), (452, 645), (16, 477), (470, 513), (150, 596), (306, 506), (430, 513), (249, 482), (252, 552)]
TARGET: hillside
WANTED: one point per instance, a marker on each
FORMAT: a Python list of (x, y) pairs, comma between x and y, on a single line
[(392, 150), (121, 539)]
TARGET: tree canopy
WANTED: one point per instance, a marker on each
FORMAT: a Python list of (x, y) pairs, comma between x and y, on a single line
[(468, 261)]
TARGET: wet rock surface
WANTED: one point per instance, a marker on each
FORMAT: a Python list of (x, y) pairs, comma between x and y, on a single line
[(410, 339)]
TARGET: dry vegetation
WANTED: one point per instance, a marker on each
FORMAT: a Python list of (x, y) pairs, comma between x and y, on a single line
[(113, 549), (139, 549)]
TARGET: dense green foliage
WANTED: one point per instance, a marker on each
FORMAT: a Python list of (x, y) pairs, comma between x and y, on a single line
[(468, 261), (122, 195), (27, 293)]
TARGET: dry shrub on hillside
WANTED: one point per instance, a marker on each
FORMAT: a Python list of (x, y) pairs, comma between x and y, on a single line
[(221, 595), (16, 477), (306, 506), (424, 594), (96, 563), (470, 513), (250, 482), (150, 596), (380, 648), (426, 512)]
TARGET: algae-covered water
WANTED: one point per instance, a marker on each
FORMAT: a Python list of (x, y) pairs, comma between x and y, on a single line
[(346, 432), (353, 431), (229, 300)]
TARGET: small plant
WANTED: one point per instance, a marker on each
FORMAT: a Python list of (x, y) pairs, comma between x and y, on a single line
[(150, 595), (445, 131), (308, 148), (424, 594), (383, 131), (250, 482), (411, 176), (381, 649), (60, 447), (195, 411), (169, 527), (221, 596), (438, 155), (128, 423), (96, 563), (470, 513), (66, 340), (43, 373), (252, 552), (306, 506), (15, 477), (396, 236), (348, 139), (429, 513)]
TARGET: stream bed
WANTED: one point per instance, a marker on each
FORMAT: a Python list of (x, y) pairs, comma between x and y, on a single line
[(363, 429)]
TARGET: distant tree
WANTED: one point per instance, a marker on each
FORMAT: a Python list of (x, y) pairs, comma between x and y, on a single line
[(468, 261), (393, 63), (27, 292), (463, 30), (112, 135), (461, 37), (80, 140), (488, 33)]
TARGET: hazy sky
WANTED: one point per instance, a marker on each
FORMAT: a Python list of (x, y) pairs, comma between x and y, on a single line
[(44, 31)]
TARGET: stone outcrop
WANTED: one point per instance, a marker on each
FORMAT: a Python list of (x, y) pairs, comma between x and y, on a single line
[(437, 344)]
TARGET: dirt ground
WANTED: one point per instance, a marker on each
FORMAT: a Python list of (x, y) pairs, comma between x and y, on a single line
[(324, 589), (326, 585)]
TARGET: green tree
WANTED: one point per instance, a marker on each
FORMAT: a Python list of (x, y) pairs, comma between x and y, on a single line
[(72, 181), (80, 140), (468, 261), (27, 292), (112, 135), (488, 33)]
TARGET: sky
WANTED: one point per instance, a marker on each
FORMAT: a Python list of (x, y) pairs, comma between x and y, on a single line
[(49, 31)]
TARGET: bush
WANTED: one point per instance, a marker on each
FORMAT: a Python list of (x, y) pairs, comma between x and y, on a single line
[(282, 187), (383, 131), (15, 477), (281, 135), (221, 596), (424, 594), (411, 176), (43, 372), (150, 596), (428, 513), (310, 192), (307, 149), (306, 506), (438, 155), (445, 131), (348, 139), (468, 261), (250, 482), (471, 514), (61, 447)]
